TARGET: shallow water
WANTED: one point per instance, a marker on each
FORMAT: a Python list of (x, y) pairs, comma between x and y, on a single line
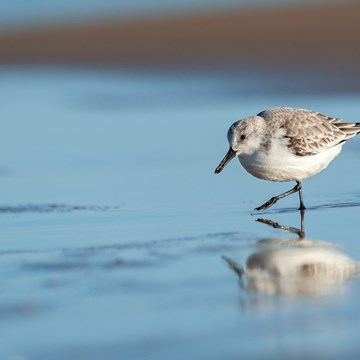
[(114, 227), (35, 13)]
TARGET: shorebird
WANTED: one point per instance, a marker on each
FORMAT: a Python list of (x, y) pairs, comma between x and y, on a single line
[(287, 144)]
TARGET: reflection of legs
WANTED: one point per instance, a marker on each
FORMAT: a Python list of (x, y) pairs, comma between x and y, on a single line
[(273, 200), (300, 232)]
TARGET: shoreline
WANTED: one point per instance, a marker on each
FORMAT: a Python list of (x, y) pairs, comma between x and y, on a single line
[(294, 37)]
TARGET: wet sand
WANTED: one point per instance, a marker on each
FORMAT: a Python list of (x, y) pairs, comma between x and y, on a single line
[(308, 36)]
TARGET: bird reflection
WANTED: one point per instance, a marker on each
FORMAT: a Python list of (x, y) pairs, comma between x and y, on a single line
[(296, 267)]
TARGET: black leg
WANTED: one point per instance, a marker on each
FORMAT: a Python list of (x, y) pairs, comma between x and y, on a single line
[(302, 229), (302, 206), (273, 200)]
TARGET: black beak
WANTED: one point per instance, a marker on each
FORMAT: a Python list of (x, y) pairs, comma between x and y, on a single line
[(230, 155)]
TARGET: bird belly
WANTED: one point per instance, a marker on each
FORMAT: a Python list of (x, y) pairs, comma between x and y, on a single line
[(285, 166)]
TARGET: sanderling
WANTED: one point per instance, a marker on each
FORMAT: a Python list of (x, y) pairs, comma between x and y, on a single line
[(287, 144)]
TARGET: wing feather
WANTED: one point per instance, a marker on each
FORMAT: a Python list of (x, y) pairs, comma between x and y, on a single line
[(309, 132)]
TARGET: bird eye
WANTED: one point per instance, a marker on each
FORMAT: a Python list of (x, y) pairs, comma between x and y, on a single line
[(243, 137)]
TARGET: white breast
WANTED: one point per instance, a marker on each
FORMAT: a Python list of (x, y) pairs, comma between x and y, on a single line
[(279, 164)]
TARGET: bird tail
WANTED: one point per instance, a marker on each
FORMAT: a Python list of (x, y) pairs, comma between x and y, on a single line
[(350, 129)]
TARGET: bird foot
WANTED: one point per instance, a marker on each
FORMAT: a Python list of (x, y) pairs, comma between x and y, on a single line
[(268, 204)]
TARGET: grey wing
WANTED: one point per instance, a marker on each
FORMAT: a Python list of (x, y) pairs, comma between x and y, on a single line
[(310, 132)]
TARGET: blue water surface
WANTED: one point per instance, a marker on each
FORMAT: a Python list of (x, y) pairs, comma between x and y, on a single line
[(113, 224), (22, 13)]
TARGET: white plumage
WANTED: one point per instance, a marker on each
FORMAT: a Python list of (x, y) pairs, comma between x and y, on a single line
[(287, 144)]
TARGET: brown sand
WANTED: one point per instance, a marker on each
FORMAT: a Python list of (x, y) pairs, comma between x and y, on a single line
[(325, 36)]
